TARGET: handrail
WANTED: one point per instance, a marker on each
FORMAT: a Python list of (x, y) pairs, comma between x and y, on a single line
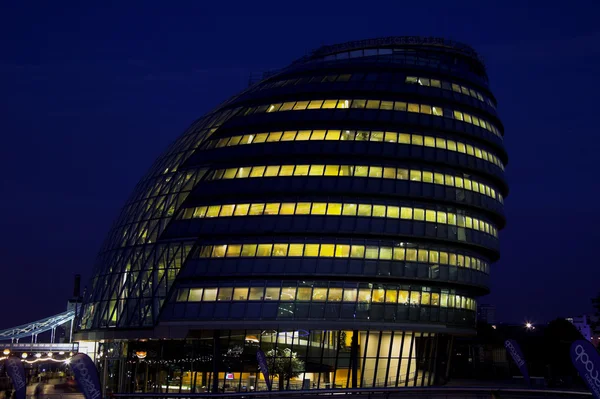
[(363, 391), (36, 327)]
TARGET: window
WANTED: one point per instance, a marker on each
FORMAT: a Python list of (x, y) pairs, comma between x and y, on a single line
[(256, 293), (196, 294), (210, 294), (225, 294), (240, 294)]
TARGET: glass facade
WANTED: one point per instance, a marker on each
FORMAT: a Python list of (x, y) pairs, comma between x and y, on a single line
[(349, 242)]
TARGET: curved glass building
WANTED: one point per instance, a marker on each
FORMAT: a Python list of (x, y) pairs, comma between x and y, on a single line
[(341, 215)]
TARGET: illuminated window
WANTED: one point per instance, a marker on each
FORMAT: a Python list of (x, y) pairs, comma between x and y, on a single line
[(196, 294), (264, 250), (240, 294)]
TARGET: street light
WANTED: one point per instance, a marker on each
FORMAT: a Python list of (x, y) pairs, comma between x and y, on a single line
[(24, 355), (38, 355), (529, 326), (6, 351)]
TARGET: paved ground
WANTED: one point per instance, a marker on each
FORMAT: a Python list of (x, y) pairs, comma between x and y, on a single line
[(49, 391)]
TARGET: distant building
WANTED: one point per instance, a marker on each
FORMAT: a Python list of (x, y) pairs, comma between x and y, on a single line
[(582, 323), (486, 313)]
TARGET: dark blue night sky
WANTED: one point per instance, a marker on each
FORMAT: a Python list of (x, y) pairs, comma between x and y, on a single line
[(90, 95)]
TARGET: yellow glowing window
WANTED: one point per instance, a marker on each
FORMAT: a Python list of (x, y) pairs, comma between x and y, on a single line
[(402, 174), (427, 177), (334, 295), (241, 209), (458, 182), (342, 251), (361, 171), (311, 250), (334, 209), (273, 107), (399, 106), (226, 210), (357, 251), (468, 184), (415, 175), (264, 250), (301, 170), (389, 173), (316, 170), (404, 138), (417, 139), (378, 211), (468, 118), (257, 171), (441, 217), (318, 135), (332, 170), (288, 293), (303, 135), (391, 137), (333, 135), (196, 294), (319, 208), (426, 109), (304, 293), (240, 294), (412, 79), (458, 115), (364, 210), (272, 293), (406, 213), (415, 297), (205, 251), (243, 172), (440, 143), (287, 106), (234, 250), (455, 88), (449, 180), (422, 255), (286, 170), (429, 141), (437, 111), (430, 215), (413, 107), (391, 296), (460, 259), (476, 121), (300, 105), (376, 136), (419, 214), (426, 299), (296, 249), (385, 253), (303, 208), (219, 251), (256, 209), (436, 83), (329, 104), (357, 104), (350, 294), (371, 252), (315, 104), (280, 249), (434, 257), (349, 210), (378, 295), (411, 255), (403, 296), (230, 173), (452, 219), (373, 104), (260, 138), (399, 253), (387, 105), (200, 212), (364, 295), (274, 136), (375, 171), (469, 222), (235, 140), (393, 212), (213, 211), (271, 171), (287, 209), (288, 136)]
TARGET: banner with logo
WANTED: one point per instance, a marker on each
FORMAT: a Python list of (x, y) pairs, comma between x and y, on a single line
[(262, 365), (15, 370), (586, 360), (513, 348), (86, 376)]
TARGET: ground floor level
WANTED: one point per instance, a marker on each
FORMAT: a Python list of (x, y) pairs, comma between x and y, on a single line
[(226, 360)]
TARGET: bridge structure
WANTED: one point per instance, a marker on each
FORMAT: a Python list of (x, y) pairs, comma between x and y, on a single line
[(30, 332)]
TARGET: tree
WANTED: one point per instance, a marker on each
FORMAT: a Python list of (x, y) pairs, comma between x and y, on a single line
[(284, 364)]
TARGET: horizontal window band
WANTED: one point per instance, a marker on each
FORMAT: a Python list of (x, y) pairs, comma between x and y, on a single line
[(419, 140)]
